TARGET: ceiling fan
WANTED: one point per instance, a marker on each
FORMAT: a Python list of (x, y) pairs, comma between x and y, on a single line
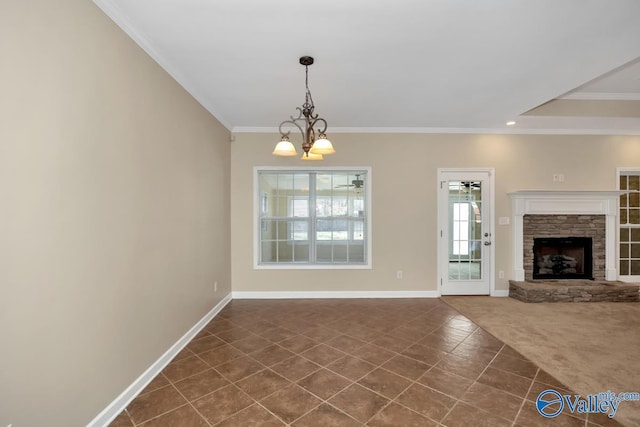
[(356, 183), (471, 185)]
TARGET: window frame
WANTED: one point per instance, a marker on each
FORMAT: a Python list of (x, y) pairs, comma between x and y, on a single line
[(257, 206), (624, 171)]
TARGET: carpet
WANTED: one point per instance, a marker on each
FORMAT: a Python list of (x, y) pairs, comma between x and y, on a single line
[(589, 347)]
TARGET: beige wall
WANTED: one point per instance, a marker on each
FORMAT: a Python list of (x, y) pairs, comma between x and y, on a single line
[(114, 212), (404, 171)]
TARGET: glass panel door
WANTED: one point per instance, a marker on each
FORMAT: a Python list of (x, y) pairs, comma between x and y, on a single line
[(464, 218)]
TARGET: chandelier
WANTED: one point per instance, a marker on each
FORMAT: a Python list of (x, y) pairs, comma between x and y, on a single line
[(314, 147)]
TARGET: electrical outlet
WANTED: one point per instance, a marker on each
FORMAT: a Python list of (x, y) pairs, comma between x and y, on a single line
[(501, 274), (215, 286), (399, 274), (561, 177)]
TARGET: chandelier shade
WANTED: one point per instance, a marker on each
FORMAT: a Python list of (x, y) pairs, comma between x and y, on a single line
[(285, 148), (311, 156), (322, 145), (309, 124)]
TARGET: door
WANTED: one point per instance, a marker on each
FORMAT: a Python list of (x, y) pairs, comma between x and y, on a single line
[(465, 219)]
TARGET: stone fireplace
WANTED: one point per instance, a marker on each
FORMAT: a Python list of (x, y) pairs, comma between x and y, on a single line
[(560, 214), (564, 247)]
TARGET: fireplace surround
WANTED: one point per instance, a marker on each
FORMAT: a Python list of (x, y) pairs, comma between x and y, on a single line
[(533, 203)]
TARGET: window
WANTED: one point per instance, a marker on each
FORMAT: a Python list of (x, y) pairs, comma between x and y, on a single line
[(312, 218), (629, 182)]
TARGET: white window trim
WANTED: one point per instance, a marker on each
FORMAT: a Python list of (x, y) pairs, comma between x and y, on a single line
[(622, 277), (256, 220)]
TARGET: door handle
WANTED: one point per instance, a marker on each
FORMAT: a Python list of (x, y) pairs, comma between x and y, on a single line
[(487, 243)]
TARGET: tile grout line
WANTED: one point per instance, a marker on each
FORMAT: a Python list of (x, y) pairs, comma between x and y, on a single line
[(524, 401), (471, 385), (233, 383), (326, 401), (189, 402), (159, 415), (411, 384), (265, 408), (206, 420)]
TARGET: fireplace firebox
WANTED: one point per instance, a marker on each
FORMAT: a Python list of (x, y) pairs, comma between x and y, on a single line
[(563, 258)]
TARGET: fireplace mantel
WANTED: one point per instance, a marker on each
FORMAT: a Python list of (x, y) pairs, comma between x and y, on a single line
[(545, 202)]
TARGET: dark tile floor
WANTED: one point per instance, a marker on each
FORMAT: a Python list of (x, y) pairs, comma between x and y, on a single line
[(374, 362)]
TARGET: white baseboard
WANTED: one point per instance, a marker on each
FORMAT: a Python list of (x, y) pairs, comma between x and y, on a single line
[(120, 403), (336, 294), (500, 293)]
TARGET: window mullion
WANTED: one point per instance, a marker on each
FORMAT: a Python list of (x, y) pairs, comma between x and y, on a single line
[(312, 217)]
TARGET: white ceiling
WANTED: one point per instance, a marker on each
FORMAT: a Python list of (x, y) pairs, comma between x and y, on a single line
[(402, 65)]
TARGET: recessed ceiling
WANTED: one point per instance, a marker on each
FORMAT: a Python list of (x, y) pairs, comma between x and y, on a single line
[(402, 66)]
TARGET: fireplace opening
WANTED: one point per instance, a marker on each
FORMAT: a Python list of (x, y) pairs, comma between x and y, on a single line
[(563, 258)]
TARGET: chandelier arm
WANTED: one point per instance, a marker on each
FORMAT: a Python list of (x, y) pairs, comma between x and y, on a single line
[(319, 120), (310, 115), (291, 122)]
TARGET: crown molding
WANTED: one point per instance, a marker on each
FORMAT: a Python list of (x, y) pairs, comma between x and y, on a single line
[(480, 131), (602, 96)]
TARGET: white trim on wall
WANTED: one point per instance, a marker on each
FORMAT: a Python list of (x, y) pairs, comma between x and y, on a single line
[(109, 413), (499, 293), (334, 295)]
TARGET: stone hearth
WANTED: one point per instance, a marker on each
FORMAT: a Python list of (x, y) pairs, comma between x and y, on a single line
[(574, 291)]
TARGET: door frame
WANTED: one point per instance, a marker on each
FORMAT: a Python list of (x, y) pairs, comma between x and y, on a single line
[(443, 242)]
